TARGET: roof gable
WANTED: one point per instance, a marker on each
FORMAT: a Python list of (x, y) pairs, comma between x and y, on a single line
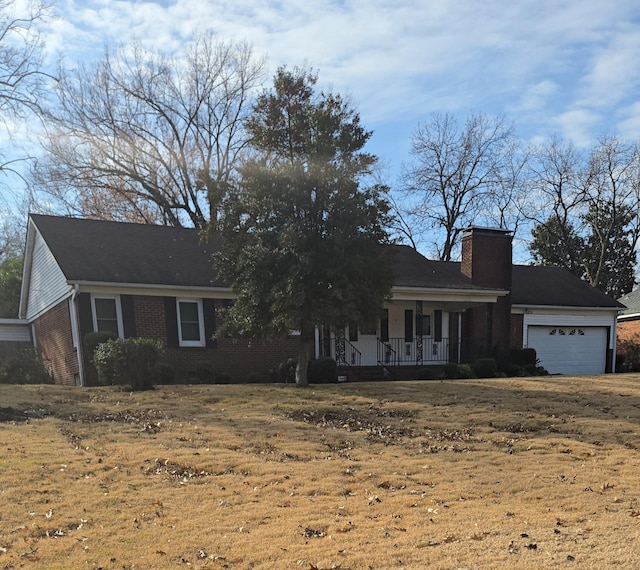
[(115, 252)]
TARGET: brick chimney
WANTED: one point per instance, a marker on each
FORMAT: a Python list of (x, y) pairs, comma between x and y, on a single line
[(486, 260)]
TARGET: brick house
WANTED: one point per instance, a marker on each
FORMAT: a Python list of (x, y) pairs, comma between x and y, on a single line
[(629, 318), (159, 282)]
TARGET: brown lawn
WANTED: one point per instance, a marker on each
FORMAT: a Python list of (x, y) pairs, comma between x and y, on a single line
[(508, 473)]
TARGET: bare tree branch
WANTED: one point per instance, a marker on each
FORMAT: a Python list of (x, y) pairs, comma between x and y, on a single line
[(459, 176), (145, 137)]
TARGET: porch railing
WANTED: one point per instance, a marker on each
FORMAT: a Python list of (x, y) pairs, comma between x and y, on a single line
[(351, 356), (373, 351)]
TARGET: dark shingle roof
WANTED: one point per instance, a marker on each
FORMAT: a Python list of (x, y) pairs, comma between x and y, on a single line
[(116, 252), (414, 270), (555, 286), (632, 302)]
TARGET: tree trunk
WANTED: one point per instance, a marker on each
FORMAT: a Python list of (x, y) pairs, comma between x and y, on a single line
[(304, 353)]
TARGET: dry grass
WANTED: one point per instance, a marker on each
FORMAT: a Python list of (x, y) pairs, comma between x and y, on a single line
[(527, 473)]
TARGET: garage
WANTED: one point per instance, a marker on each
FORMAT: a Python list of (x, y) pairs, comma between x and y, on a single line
[(570, 349)]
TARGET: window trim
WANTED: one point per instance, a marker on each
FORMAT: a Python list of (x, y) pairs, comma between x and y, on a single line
[(199, 343), (94, 315)]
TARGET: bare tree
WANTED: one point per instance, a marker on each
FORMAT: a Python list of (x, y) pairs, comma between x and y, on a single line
[(459, 176), (611, 186), (21, 78), (554, 204), (146, 137), (586, 213)]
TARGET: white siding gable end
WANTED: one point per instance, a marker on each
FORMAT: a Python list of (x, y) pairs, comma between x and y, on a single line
[(47, 285)]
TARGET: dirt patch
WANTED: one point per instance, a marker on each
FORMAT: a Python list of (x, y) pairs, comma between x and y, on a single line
[(10, 414), (367, 420)]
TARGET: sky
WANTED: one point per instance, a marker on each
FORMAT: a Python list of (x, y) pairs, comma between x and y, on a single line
[(554, 67), (564, 67)]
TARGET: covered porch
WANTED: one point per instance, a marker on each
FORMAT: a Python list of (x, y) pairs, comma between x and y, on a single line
[(415, 329)]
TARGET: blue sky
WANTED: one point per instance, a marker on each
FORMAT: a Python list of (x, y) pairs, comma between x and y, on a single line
[(569, 67), (564, 67)]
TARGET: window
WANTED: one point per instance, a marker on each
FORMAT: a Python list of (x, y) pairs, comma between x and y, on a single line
[(408, 325), (353, 331), (107, 314), (384, 326), (369, 329), (423, 325), (190, 322)]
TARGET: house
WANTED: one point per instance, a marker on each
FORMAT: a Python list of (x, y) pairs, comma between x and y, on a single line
[(629, 318), (14, 331), (159, 282)]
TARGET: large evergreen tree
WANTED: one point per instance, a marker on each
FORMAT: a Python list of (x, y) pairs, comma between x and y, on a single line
[(10, 283), (609, 254), (604, 255), (303, 235), (556, 243)]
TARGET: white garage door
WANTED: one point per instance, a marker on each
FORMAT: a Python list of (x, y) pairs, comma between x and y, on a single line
[(570, 350)]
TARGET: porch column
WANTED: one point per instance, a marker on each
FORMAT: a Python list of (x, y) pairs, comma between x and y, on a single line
[(419, 332), (340, 347)]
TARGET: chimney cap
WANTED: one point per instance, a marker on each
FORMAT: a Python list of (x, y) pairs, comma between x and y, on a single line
[(486, 231)]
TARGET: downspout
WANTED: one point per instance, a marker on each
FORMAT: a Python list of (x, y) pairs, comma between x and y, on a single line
[(75, 325), (614, 340)]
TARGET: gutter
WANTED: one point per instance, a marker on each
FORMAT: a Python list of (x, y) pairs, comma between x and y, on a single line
[(565, 308), (218, 292)]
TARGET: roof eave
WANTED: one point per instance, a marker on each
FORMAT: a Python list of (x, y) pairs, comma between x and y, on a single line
[(563, 307), (446, 294), (26, 268), (142, 288)]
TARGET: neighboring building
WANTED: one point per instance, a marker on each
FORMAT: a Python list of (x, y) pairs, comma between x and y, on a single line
[(160, 282), (629, 318), (14, 330)]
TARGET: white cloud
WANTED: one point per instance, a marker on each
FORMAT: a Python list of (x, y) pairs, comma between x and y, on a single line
[(577, 126), (550, 66)]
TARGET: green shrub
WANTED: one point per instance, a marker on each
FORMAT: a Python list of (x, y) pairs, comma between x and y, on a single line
[(523, 356), (426, 373), (450, 371), (132, 361), (165, 373), (454, 371), (90, 342), (485, 367), (20, 365), (535, 370), (205, 373), (628, 356), (465, 371), (287, 370), (322, 371)]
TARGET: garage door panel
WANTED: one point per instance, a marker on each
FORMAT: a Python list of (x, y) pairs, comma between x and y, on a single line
[(570, 350)]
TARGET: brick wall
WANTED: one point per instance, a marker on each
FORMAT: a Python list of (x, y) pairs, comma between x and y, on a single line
[(517, 325), (486, 260), (149, 317), (54, 344), (236, 358), (627, 330)]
